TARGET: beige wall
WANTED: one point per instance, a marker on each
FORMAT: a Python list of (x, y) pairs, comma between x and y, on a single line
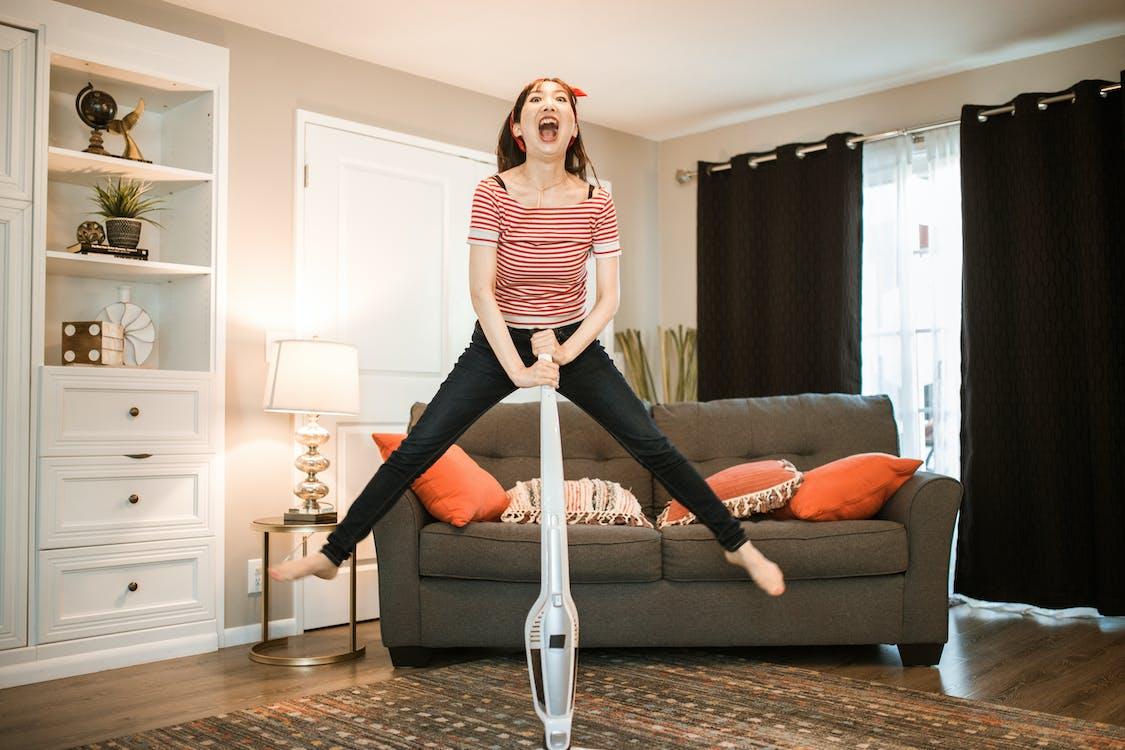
[(938, 100), (270, 77)]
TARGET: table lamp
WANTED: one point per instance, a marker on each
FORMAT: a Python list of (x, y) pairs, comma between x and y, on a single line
[(312, 377)]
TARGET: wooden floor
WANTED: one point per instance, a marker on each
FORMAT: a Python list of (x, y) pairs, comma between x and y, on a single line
[(1074, 667)]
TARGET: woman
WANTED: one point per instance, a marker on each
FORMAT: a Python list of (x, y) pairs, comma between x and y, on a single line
[(532, 227)]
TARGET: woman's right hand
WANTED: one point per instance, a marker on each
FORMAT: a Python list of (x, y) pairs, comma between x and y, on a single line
[(543, 372)]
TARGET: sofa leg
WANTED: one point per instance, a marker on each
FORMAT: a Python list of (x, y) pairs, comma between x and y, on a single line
[(410, 656), (920, 654)]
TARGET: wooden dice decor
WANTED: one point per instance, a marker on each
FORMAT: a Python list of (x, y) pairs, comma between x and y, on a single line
[(93, 342)]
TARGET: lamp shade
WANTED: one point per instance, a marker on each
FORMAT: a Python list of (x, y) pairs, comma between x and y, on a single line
[(313, 376)]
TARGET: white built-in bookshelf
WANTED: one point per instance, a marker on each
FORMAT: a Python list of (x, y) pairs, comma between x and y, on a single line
[(111, 522), (174, 285)]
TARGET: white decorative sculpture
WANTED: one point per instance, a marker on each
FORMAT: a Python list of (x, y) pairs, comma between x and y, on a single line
[(140, 331)]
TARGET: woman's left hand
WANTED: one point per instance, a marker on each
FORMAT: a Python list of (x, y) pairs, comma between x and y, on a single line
[(545, 341)]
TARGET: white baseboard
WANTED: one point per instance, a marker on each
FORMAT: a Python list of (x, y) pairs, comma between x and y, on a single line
[(40, 670), (252, 633), (37, 664)]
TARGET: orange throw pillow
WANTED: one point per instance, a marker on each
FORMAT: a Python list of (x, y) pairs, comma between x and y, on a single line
[(455, 489), (849, 489), (752, 487)]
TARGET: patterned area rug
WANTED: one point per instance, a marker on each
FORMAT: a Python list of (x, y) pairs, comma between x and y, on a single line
[(631, 698)]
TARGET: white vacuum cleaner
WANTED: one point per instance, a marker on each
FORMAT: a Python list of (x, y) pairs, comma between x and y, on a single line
[(551, 629)]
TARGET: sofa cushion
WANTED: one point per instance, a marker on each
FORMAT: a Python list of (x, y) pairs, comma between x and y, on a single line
[(852, 488), (746, 489), (496, 551), (454, 489), (585, 500), (802, 549)]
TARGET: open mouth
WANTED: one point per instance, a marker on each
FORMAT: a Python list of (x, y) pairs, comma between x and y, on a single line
[(548, 129)]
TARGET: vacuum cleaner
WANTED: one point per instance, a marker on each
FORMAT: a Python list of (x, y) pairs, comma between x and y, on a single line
[(551, 629)]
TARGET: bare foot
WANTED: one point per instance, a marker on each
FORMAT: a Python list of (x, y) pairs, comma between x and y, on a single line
[(764, 571), (318, 565)]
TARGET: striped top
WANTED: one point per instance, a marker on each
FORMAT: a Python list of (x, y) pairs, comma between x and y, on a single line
[(541, 252)]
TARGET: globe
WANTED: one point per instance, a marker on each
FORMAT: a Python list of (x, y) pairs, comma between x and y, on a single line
[(96, 108)]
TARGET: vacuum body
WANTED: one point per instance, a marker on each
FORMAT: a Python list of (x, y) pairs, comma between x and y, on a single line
[(551, 629)]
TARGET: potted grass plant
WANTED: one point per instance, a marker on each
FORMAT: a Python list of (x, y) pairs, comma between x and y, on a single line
[(124, 206), (677, 350)]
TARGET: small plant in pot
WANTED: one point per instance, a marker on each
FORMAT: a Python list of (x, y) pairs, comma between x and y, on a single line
[(124, 206)]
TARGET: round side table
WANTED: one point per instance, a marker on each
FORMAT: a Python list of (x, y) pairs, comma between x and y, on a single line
[(259, 651)]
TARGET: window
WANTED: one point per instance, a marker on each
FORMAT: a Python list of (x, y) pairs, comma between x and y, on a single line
[(911, 294)]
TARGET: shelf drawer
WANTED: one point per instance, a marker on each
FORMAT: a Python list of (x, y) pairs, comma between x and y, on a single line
[(85, 591), (115, 499), (111, 411)]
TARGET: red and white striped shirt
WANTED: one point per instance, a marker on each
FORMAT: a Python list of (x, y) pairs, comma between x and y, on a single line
[(541, 252)]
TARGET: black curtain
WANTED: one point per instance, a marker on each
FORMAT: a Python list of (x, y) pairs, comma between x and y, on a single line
[(1043, 365), (778, 273)]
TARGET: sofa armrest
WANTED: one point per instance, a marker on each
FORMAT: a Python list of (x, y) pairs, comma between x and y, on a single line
[(396, 537), (927, 506)]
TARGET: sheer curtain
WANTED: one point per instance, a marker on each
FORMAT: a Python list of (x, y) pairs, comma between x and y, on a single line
[(911, 298)]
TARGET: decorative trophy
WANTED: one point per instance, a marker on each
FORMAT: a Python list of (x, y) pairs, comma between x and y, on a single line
[(122, 128), (96, 109)]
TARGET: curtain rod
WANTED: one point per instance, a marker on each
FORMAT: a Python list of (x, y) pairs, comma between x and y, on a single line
[(683, 175)]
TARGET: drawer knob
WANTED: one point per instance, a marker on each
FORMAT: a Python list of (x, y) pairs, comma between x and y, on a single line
[(133, 586), (134, 412), (134, 499)]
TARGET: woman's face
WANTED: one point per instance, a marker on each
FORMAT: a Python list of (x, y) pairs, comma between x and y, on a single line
[(547, 120)]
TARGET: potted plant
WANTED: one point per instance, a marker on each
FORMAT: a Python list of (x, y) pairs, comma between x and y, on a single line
[(124, 206)]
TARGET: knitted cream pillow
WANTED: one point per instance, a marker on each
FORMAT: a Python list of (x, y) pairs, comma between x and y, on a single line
[(591, 501)]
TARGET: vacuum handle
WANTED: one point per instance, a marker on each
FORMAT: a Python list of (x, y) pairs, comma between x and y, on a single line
[(546, 356)]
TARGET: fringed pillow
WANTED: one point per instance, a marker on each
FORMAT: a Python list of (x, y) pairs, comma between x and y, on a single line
[(746, 489), (590, 501)]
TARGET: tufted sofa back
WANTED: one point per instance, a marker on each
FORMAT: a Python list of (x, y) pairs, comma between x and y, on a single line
[(505, 442), (808, 429)]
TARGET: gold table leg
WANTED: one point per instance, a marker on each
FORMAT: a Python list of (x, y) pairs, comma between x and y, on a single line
[(259, 651)]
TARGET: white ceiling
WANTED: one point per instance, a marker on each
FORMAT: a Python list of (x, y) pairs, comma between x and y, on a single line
[(665, 68)]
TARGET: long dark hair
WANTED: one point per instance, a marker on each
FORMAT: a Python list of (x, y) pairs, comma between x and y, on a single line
[(508, 153)]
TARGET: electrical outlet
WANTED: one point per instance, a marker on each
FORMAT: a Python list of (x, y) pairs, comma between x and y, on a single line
[(254, 576)]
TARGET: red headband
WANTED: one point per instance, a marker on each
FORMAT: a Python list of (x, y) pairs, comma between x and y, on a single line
[(519, 141)]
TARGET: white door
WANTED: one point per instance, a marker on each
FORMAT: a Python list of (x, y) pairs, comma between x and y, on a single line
[(382, 263)]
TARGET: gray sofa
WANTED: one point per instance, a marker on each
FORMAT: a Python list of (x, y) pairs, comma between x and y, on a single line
[(882, 580)]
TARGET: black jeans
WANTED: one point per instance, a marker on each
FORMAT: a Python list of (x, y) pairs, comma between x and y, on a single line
[(478, 381)]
